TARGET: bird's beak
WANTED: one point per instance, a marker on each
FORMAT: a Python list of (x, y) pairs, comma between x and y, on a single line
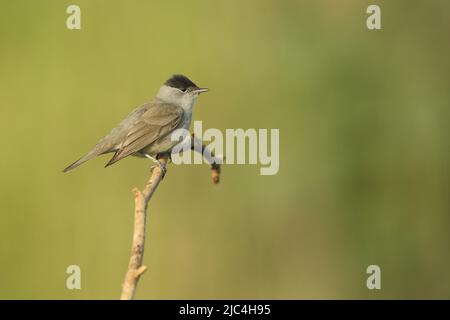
[(201, 90)]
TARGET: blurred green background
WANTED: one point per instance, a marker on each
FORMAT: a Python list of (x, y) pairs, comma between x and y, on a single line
[(364, 159)]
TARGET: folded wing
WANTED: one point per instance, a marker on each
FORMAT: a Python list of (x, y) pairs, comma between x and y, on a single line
[(157, 122)]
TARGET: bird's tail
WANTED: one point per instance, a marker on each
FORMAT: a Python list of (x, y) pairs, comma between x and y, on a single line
[(82, 160)]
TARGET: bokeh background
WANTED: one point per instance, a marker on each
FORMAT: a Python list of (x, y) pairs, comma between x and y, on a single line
[(364, 159)]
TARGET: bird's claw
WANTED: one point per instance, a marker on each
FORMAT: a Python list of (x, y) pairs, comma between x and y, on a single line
[(161, 167)]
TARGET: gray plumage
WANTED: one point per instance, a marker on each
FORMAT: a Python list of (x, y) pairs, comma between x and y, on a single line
[(147, 129)]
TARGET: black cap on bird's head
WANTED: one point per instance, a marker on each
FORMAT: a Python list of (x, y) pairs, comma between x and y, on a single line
[(183, 83)]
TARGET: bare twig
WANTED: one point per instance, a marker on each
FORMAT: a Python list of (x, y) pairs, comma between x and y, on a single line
[(141, 199)]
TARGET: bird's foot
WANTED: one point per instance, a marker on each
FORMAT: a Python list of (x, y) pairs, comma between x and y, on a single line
[(158, 164), (161, 167)]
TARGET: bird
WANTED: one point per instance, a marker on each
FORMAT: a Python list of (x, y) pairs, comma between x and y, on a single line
[(146, 131)]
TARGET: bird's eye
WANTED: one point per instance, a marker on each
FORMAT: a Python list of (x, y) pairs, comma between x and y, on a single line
[(183, 89)]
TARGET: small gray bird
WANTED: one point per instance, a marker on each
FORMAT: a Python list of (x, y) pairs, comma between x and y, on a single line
[(146, 131)]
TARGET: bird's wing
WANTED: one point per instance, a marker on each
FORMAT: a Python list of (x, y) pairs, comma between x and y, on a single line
[(158, 121)]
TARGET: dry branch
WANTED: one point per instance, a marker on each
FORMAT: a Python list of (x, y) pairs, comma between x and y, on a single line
[(141, 199)]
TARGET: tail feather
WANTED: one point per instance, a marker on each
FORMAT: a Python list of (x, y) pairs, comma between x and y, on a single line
[(114, 159), (80, 161)]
